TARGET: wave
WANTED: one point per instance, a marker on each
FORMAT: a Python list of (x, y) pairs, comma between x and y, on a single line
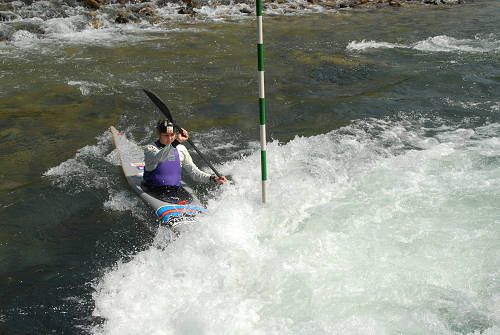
[(378, 227), (86, 87), (364, 45), (441, 43), (85, 169)]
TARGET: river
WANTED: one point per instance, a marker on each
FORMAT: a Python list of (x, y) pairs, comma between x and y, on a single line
[(383, 166)]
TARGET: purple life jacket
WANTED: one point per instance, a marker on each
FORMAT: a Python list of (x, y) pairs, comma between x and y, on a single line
[(167, 173)]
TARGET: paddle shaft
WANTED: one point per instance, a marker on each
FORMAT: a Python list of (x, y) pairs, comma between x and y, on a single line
[(203, 157), (164, 109)]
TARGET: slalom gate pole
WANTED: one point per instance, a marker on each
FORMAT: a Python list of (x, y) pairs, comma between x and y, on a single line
[(262, 101)]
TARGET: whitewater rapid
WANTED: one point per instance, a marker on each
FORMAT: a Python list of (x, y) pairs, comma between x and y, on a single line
[(379, 227)]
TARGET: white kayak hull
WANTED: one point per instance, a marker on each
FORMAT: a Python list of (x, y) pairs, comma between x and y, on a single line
[(133, 169)]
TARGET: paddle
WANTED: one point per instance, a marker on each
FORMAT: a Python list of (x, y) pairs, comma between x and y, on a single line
[(161, 105)]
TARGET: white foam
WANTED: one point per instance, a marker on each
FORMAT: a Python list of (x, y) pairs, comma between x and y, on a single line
[(496, 107), (364, 45), (123, 200), (85, 169), (59, 23), (363, 233), (61, 26), (441, 43), (487, 105), (97, 167), (85, 86), (222, 11), (23, 36), (444, 43)]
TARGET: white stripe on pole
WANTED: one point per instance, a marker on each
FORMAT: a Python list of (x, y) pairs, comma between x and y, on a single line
[(260, 34), (261, 84)]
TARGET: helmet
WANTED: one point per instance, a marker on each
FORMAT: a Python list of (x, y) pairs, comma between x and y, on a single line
[(165, 126)]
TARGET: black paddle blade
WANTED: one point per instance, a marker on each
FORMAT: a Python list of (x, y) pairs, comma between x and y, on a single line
[(160, 104)]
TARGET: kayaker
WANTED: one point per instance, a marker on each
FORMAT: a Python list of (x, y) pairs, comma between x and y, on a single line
[(165, 160)]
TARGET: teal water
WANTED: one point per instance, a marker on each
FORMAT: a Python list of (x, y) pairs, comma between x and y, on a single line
[(384, 155)]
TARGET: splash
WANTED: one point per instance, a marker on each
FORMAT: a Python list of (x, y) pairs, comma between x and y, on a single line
[(379, 227), (87, 169)]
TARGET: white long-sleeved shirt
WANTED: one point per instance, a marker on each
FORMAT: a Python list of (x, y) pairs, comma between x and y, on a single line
[(154, 155)]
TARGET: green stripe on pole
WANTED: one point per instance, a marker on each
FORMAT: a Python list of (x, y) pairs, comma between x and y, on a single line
[(260, 56), (258, 4), (263, 165), (262, 109)]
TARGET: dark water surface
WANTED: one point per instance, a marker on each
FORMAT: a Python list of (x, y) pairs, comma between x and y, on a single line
[(425, 69)]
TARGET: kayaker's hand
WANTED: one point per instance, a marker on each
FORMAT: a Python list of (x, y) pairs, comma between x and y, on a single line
[(218, 180), (183, 135)]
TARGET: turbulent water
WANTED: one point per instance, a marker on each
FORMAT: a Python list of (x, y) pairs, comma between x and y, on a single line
[(383, 166)]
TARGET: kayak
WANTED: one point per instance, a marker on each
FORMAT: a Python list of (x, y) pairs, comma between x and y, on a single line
[(133, 168)]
